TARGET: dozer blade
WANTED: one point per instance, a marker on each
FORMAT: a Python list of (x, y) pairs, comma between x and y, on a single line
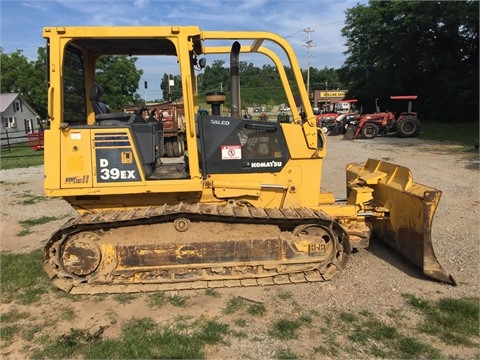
[(408, 209), (349, 133)]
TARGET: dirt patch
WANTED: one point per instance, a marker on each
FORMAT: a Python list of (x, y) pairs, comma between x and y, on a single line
[(373, 280)]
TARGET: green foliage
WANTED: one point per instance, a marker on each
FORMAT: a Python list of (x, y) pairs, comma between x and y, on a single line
[(461, 133), (19, 75), (260, 86), (423, 48), (171, 92), (119, 78), (117, 74)]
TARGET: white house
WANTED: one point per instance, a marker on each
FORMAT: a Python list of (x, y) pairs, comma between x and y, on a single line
[(18, 118)]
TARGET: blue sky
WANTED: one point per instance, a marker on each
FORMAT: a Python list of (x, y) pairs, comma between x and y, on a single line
[(22, 21)]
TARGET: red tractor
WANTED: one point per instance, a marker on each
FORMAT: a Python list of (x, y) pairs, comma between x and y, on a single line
[(369, 126)]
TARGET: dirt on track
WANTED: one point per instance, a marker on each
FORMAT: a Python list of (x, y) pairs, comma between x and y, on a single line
[(373, 280)]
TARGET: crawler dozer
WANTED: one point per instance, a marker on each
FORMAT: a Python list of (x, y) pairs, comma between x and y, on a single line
[(243, 207)]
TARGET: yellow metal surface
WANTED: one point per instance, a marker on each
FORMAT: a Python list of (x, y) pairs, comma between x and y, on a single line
[(408, 209), (99, 168), (76, 166)]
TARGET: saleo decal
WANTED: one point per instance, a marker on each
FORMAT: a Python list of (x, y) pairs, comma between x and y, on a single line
[(266, 164), (219, 122)]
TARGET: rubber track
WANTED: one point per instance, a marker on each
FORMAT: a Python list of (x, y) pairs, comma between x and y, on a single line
[(285, 218)]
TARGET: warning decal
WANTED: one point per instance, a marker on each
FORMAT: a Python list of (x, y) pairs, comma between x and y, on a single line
[(231, 152)]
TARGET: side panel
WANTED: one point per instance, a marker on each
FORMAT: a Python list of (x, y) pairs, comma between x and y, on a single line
[(75, 159), (236, 146), (115, 160)]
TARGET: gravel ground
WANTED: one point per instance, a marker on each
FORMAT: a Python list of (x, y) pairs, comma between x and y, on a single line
[(373, 280)]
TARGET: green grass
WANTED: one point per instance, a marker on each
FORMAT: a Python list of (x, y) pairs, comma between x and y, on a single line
[(286, 329), (23, 279), (212, 293), (286, 354), (463, 134), (373, 336), (20, 156), (13, 316), (444, 322), (454, 321), (125, 298), (159, 299), (67, 314), (27, 224), (284, 295), (11, 330), (29, 199), (256, 309), (140, 339), (37, 221), (234, 304)]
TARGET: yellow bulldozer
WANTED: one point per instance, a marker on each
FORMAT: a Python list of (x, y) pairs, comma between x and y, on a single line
[(243, 207)]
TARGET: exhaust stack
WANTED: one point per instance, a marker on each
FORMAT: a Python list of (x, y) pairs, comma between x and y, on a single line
[(234, 79)]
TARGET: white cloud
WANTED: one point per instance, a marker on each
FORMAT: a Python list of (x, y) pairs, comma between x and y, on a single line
[(284, 17)]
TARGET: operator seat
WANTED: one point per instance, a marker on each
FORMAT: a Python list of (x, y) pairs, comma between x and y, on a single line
[(103, 115), (96, 98)]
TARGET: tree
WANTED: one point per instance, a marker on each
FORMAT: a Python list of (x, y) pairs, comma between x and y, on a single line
[(117, 74), (325, 78), (174, 91), (119, 77), (429, 49), (25, 77)]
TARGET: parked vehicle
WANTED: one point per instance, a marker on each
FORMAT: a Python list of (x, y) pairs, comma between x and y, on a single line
[(345, 106), (369, 126), (244, 208), (326, 121)]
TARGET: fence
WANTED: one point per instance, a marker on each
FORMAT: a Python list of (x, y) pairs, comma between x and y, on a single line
[(14, 140)]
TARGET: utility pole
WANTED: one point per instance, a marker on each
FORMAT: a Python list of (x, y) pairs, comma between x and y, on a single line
[(145, 86), (326, 95), (308, 46)]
